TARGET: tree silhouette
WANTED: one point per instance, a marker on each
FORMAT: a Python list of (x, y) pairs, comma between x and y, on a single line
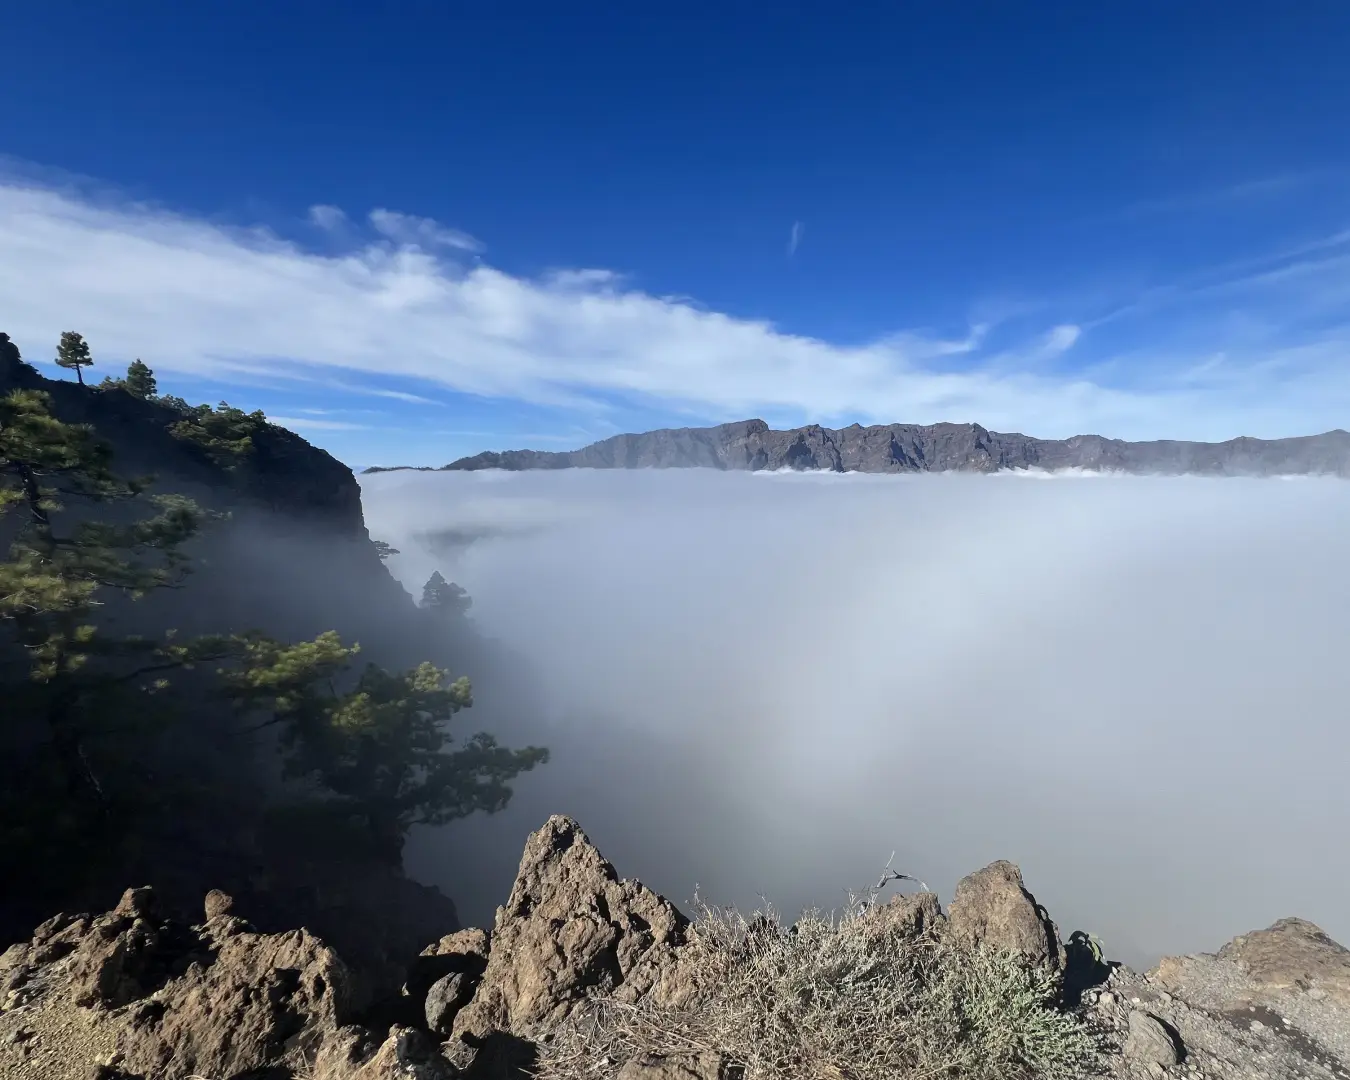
[(381, 751), (73, 352), (140, 380), (444, 597)]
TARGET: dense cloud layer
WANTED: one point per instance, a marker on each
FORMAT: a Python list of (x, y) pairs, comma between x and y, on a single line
[(1136, 688)]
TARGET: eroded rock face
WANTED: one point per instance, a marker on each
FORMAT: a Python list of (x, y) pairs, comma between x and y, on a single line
[(1294, 954), (1280, 992), (992, 907), (571, 930), (405, 1054), (212, 1000), (112, 959), (262, 997)]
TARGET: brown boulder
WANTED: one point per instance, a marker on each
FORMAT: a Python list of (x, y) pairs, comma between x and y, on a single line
[(217, 904), (406, 1054), (1293, 954), (442, 980), (570, 930), (123, 955), (260, 999), (993, 909), (914, 915), (1149, 1041), (215, 1000)]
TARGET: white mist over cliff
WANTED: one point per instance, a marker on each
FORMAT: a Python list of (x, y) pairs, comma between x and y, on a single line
[(1136, 688)]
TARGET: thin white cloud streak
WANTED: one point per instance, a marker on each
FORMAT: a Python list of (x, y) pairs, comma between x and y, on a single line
[(421, 232), (765, 684), (795, 237), (188, 295), (1234, 195), (328, 218), (311, 423)]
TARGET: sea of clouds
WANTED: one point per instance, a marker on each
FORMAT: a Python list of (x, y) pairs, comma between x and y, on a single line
[(763, 684)]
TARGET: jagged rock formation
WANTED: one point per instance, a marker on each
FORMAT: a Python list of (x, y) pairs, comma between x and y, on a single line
[(130, 994), (907, 448), (622, 939)]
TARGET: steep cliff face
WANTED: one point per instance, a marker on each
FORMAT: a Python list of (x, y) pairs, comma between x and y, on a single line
[(905, 448), (293, 559), (286, 475)]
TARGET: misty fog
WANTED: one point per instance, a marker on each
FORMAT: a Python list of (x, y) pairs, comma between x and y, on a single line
[(763, 684)]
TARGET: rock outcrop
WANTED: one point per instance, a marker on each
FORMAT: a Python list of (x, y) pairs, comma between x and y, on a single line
[(992, 908), (286, 474), (130, 994), (216, 999), (907, 448), (570, 930), (1293, 955)]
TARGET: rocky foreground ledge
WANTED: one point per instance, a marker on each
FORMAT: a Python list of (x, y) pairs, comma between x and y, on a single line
[(587, 975)]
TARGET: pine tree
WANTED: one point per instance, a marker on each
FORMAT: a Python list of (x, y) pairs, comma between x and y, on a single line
[(78, 678), (444, 597), (73, 352), (140, 380), (384, 550), (224, 435), (380, 750)]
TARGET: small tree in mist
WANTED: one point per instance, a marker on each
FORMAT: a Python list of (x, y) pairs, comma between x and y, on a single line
[(140, 381), (72, 352), (384, 550), (379, 751), (444, 597)]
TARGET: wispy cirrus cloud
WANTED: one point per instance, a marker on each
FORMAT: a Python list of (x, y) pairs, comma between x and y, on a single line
[(421, 232), (244, 305), (312, 422), (328, 218), (1241, 196), (795, 237)]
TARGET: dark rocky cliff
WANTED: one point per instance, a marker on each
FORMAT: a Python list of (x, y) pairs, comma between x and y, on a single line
[(906, 448), (293, 559), (287, 475)]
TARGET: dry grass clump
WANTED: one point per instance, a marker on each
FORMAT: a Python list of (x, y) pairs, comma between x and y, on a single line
[(859, 997)]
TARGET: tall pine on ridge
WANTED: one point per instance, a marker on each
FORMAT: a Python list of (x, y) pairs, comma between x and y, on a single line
[(73, 352)]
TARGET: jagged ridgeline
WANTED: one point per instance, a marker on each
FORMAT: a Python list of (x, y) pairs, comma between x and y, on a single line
[(913, 448), (208, 676)]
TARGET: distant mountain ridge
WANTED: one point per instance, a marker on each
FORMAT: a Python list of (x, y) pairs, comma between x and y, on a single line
[(909, 448)]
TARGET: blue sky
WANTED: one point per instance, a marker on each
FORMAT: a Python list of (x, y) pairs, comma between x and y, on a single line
[(418, 230)]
